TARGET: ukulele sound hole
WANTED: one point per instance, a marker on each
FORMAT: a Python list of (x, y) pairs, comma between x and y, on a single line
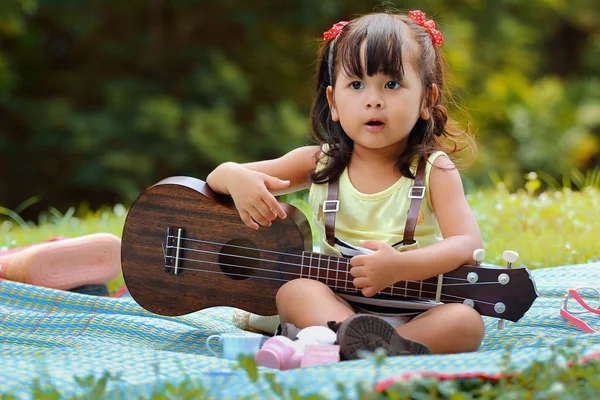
[(239, 259)]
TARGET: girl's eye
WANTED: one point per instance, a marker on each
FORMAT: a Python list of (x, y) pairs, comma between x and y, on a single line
[(392, 85), (357, 85)]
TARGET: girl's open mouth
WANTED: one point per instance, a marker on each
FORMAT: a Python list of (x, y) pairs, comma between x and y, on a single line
[(374, 126)]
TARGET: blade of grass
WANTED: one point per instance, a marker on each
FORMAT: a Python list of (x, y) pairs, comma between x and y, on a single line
[(549, 180), (27, 203), (14, 216)]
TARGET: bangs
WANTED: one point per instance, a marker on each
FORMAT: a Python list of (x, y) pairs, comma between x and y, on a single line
[(385, 37)]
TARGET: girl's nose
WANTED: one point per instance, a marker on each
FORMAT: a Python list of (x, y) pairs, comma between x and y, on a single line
[(374, 102)]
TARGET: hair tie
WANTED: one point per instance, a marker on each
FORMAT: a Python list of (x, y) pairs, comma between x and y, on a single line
[(335, 30), (333, 34), (419, 17)]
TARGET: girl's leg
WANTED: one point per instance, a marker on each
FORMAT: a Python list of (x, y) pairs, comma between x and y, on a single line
[(449, 328), (307, 302), (66, 263)]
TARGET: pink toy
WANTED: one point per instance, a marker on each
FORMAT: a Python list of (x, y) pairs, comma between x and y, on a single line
[(316, 354), (279, 352)]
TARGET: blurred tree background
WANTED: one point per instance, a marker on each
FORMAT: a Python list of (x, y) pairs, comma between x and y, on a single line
[(99, 99)]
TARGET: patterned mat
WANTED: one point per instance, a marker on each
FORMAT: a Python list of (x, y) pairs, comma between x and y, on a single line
[(57, 336)]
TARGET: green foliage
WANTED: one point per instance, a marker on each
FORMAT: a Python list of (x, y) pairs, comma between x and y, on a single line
[(101, 99)]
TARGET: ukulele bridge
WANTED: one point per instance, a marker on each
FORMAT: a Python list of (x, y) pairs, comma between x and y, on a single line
[(174, 251)]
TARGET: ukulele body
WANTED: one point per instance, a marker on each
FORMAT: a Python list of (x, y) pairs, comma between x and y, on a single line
[(217, 276)]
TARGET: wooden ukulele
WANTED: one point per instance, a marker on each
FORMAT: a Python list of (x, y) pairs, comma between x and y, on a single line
[(185, 248)]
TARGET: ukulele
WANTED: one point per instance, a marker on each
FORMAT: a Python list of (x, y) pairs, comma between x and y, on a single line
[(184, 248)]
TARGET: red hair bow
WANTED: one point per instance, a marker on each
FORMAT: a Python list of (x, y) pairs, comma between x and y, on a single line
[(419, 17), (335, 30)]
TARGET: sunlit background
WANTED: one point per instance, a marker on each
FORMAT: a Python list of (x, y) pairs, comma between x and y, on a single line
[(101, 99)]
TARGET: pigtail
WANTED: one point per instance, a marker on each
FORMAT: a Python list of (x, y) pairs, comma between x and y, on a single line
[(320, 113), (439, 132), (448, 135), (324, 129)]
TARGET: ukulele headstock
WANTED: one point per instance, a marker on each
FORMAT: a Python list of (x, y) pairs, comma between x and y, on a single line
[(501, 292)]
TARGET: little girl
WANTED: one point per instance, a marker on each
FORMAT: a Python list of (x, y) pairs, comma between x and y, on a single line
[(380, 182)]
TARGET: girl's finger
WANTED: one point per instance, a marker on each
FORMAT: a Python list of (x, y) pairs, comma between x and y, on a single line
[(266, 211), (275, 206), (368, 291), (357, 261), (247, 220), (258, 217), (360, 282)]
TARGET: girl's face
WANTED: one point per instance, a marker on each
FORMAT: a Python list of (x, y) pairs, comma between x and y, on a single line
[(378, 112)]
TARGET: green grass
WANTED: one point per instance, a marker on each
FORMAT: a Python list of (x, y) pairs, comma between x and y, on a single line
[(74, 222), (552, 228)]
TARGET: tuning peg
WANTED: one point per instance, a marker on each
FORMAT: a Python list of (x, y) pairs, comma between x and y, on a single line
[(510, 257), (478, 256)]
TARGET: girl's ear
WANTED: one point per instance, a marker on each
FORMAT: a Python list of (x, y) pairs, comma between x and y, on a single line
[(334, 114), (425, 109)]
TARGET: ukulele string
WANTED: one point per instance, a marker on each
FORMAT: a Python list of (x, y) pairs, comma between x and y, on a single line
[(261, 250), (465, 282), (279, 253), (398, 288), (354, 289), (162, 244)]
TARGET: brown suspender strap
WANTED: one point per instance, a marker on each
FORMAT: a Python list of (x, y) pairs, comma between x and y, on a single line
[(416, 194), (330, 208)]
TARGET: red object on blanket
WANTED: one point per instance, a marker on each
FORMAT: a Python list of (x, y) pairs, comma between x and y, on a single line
[(571, 315), (121, 291)]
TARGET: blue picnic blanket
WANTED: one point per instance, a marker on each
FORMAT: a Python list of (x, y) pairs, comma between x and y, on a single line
[(58, 337)]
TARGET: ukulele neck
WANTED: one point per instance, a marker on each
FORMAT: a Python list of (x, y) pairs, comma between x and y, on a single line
[(334, 272)]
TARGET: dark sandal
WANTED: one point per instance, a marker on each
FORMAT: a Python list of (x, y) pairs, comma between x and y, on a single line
[(369, 332), (288, 330)]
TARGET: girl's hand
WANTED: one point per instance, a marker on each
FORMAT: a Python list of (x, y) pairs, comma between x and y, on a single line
[(374, 272), (250, 193)]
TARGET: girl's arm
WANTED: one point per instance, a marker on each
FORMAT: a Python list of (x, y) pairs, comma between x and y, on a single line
[(457, 223), (294, 166), (253, 186)]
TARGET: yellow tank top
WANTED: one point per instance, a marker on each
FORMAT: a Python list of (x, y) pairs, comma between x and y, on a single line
[(377, 216)]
